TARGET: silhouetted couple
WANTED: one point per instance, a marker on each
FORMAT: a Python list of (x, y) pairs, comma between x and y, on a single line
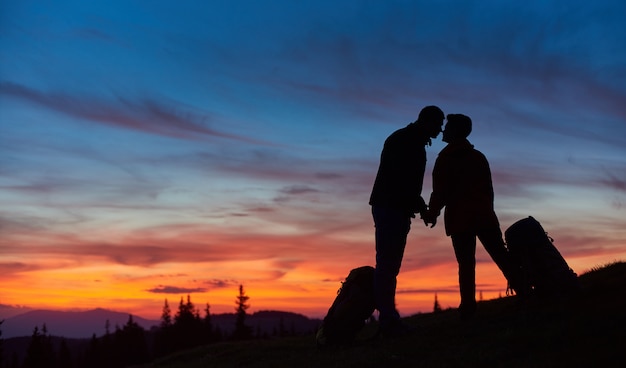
[(461, 183)]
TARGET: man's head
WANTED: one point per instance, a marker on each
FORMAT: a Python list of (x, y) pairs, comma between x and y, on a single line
[(431, 118), (458, 127)]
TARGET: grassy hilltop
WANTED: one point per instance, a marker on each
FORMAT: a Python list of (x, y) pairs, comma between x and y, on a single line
[(588, 330)]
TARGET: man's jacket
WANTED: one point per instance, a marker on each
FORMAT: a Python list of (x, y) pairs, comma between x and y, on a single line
[(462, 184), (398, 183)]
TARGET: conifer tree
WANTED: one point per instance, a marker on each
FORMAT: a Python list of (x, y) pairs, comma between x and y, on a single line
[(107, 349), (188, 328), (207, 325), (94, 353), (437, 307), (242, 331), (186, 313), (166, 316), (130, 342), (35, 350), (165, 339), (207, 315), (40, 352), (48, 351)]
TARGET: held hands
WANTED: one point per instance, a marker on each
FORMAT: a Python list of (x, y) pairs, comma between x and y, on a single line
[(429, 218)]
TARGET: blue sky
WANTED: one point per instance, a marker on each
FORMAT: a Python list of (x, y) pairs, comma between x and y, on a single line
[(196, 145)]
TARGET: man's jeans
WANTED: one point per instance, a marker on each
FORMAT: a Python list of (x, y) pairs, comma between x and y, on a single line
[(465, 250), (392, 228)]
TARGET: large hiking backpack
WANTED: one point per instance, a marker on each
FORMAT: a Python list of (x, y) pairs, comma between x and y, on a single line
[(543, 269), (353, 305)]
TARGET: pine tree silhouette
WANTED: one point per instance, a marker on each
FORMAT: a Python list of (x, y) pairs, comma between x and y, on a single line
[(108, 352), (166, 315), (437, 306), (186, 326), (130, 342), (242, 331), (164, 339), (207, 325), (40, 352)]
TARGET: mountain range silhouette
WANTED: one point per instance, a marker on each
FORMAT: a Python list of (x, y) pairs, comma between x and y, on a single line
[(84, 324)]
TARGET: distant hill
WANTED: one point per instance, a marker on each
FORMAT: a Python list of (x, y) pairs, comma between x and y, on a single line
[(69, 324), (77, 328), (8, 311), (269, 323), (84, 324)]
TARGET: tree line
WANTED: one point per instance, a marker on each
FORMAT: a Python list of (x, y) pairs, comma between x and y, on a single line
[(131, 344)]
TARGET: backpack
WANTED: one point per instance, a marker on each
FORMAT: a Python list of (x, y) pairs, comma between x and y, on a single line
[(543, 269), (353, 305)]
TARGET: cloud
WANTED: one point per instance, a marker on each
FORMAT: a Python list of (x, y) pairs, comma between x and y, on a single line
[(298, 189), (9, 268), (155, 246), (145, 115), (220, 284), (165, 289), (615, 181), (328, 175)]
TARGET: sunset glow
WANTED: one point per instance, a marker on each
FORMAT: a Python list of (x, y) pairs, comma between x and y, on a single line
[(154, 150)]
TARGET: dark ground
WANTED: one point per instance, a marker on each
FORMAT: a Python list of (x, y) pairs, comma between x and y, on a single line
[(586, 330)]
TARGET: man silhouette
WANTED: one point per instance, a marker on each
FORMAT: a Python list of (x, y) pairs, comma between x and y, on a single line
[(395, 199), (462, 184)]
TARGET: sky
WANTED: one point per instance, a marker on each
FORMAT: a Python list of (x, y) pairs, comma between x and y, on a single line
[(151, 150)]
